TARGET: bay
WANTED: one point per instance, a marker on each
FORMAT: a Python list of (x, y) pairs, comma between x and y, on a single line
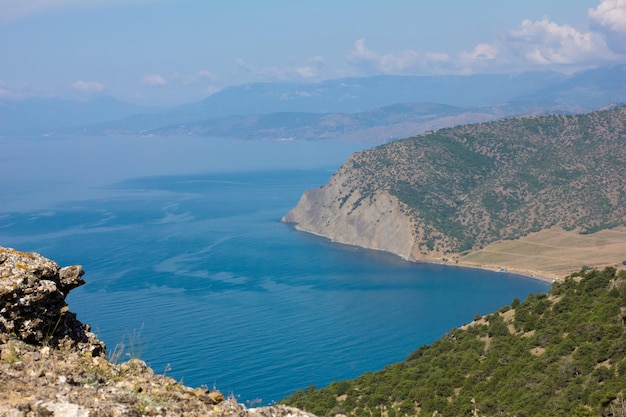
[(190, 268)]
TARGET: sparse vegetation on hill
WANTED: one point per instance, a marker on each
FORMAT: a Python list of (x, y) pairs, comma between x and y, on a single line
[(468, 186), (559, 354)]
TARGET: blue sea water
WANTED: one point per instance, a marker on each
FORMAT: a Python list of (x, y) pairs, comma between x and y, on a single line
[(188, 264)]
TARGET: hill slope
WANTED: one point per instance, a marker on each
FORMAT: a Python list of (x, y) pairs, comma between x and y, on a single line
[(453, 191), (560, 354)]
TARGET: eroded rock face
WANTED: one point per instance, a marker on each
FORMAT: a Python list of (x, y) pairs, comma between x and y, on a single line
[(32, 302), (340, 212)]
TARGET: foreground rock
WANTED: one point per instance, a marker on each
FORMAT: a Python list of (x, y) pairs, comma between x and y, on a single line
[(52, 365), (32, 303)]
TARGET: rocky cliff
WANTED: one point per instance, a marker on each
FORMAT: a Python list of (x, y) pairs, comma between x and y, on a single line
[(451, 192), (342, 212), (52, 365)]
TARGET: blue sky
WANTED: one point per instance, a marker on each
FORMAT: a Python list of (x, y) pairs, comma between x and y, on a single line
[(167, 52)]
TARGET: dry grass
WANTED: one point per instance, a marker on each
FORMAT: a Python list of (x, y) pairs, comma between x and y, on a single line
[(553, 253)]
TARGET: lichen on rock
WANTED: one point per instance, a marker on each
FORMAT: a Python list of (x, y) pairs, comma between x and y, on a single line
[(32, 302)]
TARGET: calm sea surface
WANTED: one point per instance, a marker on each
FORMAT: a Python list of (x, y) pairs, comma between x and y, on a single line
[(189, 266)]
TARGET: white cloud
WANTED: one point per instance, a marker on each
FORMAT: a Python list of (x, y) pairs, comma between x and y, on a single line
[(206, 74), (609, 18), (405, 62), (533, 44), (306, 72), (610, 14), (482, 51), (88, 86), (360, 53), (154, 80), (484, 56), (282, 73), (545, 42), (436, 58), (181, 78)]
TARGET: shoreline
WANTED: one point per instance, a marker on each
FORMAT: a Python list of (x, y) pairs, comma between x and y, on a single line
[(542, 276), (560, 252), (527, 273)]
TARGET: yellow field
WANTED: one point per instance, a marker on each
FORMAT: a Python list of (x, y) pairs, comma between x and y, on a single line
[(553, 253)]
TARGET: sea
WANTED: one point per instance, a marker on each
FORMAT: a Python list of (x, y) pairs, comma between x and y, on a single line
[(189, 267)]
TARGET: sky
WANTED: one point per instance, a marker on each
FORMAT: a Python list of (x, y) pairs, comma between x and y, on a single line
[(170, 52)]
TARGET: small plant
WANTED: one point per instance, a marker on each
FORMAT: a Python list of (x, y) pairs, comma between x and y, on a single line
[(52, 330), (11, 355), (253, 402), (116, 356), (131, 347)]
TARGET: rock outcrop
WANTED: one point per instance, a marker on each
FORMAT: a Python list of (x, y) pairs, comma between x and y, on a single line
[(32, 303), (340, 212), (52, 365)]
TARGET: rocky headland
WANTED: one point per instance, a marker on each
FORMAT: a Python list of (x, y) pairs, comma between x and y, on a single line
[(532, 195), (52, 365)]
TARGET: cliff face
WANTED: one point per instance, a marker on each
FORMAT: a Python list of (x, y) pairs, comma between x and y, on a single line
[(375, 221), (453, 191), (52, 365)]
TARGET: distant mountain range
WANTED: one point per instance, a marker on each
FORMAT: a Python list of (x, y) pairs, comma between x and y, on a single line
[(39, 116), (376, 108)]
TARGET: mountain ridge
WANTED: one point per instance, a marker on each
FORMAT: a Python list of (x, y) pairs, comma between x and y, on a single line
[(245, 111), (457, 190)]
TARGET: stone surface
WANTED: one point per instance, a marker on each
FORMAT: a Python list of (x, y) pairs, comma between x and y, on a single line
[(52, 365), (339, 212), (32, 302)]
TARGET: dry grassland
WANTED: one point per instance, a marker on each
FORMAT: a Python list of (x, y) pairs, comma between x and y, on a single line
[(553, 253)]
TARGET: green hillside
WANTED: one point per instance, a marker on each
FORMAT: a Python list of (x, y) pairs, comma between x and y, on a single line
[(469, 186), (560, 354)]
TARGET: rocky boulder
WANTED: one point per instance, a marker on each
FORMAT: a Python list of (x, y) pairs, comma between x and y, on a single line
[(32, 302)]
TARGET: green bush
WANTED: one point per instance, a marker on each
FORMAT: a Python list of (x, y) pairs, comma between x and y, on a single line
[(571, 361)]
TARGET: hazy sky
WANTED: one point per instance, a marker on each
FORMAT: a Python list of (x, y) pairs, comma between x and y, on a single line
[(165, 52)]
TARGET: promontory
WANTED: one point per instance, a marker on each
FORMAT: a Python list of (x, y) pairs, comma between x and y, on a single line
[(542, 195)]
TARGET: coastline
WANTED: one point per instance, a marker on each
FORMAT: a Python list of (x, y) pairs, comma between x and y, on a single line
[(531, 274), (513, 256)]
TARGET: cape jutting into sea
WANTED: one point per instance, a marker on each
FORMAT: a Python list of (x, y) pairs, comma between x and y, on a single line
[(188, 265)]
